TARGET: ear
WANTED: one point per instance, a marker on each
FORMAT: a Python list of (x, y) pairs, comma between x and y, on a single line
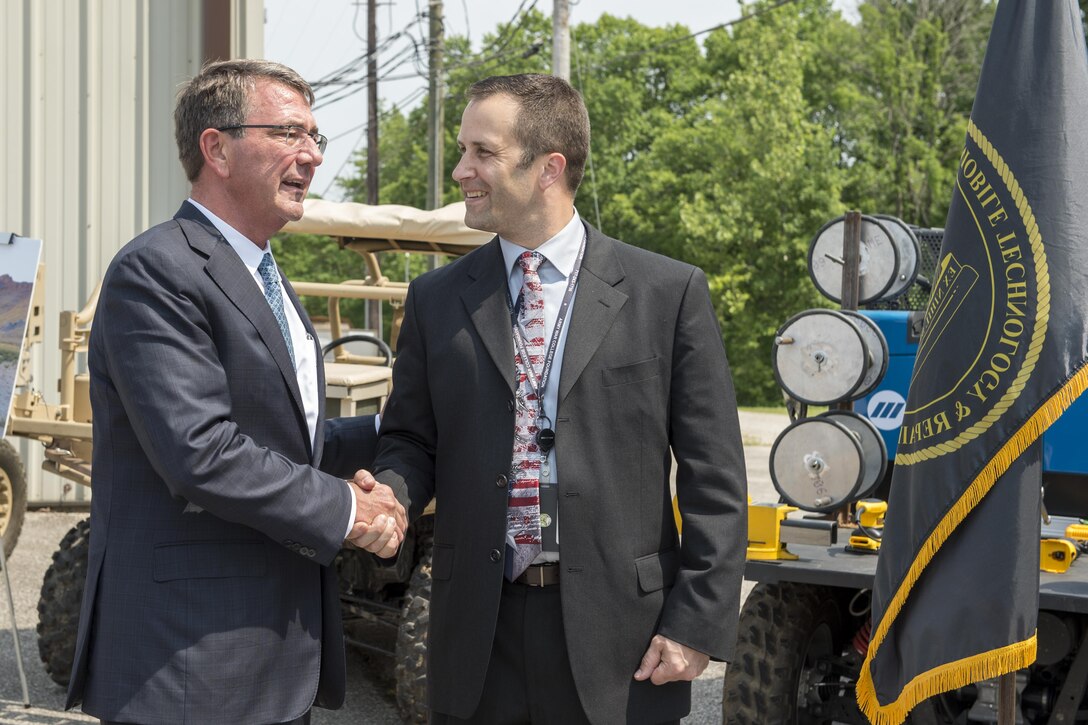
[(555, 164), (214, 147)]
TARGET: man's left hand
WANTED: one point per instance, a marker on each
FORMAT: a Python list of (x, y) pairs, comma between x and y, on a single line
[(668, 661)]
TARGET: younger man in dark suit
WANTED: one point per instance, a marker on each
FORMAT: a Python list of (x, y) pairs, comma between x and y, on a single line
[(209, 595), (541, 384)]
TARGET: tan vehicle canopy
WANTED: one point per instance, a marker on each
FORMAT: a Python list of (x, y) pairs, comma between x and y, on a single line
[(371, 229), (391, 227)]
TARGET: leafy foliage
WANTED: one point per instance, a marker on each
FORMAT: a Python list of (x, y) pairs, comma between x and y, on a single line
[(728, 149)]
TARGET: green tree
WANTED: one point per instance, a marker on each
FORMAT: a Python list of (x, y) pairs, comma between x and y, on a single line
[(741, 182), (731, 152), (916, 65)]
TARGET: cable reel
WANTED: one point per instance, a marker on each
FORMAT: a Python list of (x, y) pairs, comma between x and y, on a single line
[(816, 464)]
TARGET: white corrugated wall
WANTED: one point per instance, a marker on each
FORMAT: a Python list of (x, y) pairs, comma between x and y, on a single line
[(88, 157)]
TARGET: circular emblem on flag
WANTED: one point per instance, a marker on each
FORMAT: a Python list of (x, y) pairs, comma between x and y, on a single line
[(987, 314)]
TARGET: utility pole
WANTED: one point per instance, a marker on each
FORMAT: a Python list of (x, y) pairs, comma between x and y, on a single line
[(435, 111), (373, 307), (435, 114), (561, 39), (372, 102)]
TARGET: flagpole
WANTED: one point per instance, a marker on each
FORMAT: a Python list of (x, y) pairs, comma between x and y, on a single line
[(1006, 699)]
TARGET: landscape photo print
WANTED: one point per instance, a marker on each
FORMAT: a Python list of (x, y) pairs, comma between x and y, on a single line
[(18, 267)]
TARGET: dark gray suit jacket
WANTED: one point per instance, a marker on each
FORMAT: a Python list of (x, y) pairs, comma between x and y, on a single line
[(644, 369), (209, 598)]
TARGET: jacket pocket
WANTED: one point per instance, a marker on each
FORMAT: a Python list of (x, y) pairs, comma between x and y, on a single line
[(442, 562), (209, 560), (632, 373), (657, 571)]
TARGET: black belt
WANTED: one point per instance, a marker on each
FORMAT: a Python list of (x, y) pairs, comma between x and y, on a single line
[(539, 575)]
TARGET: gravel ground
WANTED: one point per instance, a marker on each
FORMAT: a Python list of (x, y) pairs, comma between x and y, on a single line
[(370, 691)]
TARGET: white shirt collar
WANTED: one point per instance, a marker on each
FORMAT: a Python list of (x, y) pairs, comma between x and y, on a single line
[(246, 248), (561, 251)]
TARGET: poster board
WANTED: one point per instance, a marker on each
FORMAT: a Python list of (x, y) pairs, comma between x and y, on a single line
[(19, 259)]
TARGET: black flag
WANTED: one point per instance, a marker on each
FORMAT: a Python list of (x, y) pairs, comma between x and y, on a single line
[(1002, 354)]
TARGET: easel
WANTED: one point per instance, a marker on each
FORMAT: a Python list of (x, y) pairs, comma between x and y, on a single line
[(14, 628)]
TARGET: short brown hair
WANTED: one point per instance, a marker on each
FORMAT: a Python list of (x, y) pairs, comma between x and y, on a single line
[(551, 117), (218, 96)]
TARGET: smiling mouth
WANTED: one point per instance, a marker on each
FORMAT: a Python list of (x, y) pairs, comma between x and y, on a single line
[(295, 184), (470, 195)]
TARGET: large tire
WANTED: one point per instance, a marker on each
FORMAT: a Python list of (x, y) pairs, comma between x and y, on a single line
[(12, 496), (410, 671), (786, 630), (58, 607)]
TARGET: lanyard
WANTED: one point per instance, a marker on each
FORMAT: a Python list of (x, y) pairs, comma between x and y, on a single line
[(538, 384)]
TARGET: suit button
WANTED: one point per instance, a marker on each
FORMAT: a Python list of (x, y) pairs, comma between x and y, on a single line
[(496, 555), (501, 480)]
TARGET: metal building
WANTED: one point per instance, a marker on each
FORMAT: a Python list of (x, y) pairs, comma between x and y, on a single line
[(88, 157)]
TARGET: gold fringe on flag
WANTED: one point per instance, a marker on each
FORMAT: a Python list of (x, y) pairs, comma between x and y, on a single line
[(987, 664)]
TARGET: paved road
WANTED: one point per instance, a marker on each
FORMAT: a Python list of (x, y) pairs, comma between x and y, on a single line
[(370, 691)]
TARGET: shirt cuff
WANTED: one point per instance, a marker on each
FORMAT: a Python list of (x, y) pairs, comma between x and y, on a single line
[(351, 521)]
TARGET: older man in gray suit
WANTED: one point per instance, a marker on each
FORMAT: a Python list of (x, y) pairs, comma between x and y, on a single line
[(540, 384), (209, 595)]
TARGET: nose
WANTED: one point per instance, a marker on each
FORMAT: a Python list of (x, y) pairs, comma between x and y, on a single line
[(461, 171), (309, 148)]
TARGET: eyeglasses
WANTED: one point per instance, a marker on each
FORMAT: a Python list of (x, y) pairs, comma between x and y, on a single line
[(290, 135)]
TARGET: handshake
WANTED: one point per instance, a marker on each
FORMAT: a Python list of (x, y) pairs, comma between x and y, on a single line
[(380, 520)]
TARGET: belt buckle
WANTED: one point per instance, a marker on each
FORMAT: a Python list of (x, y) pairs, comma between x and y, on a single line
[(536, 579), (540, 575)]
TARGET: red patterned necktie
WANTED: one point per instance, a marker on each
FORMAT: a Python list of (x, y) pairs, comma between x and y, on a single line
[(523, 509)]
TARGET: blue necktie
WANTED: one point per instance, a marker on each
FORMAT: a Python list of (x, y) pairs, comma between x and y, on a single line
[(267, 270)]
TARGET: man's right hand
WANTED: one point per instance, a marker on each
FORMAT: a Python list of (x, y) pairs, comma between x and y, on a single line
[(380, 520)]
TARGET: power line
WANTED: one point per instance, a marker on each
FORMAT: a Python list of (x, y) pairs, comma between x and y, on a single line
[(349, 85), (410, 98), (673, 41)]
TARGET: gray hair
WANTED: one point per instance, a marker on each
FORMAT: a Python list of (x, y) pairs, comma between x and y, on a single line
[(219, 96)]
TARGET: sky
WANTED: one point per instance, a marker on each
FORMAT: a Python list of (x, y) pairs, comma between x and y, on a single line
[(19, 260), (318, 38)]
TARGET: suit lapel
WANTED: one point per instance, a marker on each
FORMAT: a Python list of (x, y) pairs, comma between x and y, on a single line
[(234, 279), (486, 299), (596, 305)]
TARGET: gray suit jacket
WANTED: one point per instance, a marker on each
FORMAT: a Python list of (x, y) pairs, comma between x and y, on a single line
[(644, 370), (209, 598)]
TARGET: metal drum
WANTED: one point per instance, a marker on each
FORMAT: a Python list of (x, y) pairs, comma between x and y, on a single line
[(874, 454), (878, 263), (877, 360), (816, 464), (907, 245), (820, 357)]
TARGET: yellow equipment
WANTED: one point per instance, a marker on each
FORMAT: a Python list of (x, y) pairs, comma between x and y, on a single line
[(869, 514), (1056, 555), (765, 531), (1077, 532)]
